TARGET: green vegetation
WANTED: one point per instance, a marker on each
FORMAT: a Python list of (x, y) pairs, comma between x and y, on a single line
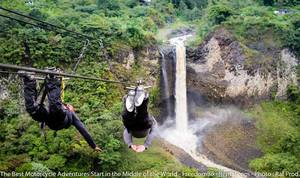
[(278, 134), (252, 23), (261, 32), (124, 27)]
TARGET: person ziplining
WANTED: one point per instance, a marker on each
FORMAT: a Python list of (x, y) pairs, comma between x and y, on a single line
[(136, 119), (59, 115)]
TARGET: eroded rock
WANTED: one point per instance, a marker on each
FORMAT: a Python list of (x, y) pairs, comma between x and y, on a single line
[(225, 70)]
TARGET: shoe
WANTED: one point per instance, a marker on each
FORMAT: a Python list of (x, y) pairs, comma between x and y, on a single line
[(50, 69), (139, 96), (53, 69), (130, 101), (25, 74)]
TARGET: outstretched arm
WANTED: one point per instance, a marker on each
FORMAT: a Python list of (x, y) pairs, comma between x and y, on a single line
[(151, 135), (127, 138), (83, 131)]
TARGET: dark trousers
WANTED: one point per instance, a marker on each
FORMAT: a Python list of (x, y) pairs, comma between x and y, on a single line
[(36, 111), (57, 117)]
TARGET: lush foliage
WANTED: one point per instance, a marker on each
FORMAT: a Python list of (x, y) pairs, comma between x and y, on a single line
[(264, 27), (119, 27), (122, 26), (279, 134), (251, 22)]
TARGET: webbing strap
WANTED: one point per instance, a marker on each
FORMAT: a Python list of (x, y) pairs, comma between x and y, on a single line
[(63, 85)]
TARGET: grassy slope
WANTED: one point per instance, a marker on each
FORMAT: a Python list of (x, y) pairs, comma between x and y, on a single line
[(278, 137)]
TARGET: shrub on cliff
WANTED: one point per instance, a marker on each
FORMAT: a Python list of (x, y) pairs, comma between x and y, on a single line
[(219, 13)]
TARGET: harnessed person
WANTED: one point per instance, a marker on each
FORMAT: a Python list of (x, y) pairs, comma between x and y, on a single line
[(136, 119), (59, 115)]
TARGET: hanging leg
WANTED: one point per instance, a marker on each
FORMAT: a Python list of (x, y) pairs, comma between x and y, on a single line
[(56, 109), (128, 118), (36, 111)]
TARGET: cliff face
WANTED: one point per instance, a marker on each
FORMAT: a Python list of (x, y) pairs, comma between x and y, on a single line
[(225, 70)]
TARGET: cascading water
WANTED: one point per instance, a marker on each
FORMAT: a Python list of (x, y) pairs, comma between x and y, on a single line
[(180, 87), (166, 84), (181, 134)]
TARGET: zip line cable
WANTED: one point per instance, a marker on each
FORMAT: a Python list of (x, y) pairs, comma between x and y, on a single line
[(21, 21), (8, 72), (35, 77), (47, 23), (32, 24), (15, 67), (47, 26), (36, 25)]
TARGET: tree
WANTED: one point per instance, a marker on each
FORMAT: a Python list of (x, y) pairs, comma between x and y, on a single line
[(193, 14), (293, 93), (182, 6), (268, 2), (108, 4), (276, 163), (55, 162), (219, 13), (190, 4), (176, 3), (289, 2)]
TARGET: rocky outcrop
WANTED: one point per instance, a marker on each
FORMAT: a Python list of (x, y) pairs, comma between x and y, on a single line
[(223, 69), (232, 143), (137, 64), (182, 156), (286, 74)]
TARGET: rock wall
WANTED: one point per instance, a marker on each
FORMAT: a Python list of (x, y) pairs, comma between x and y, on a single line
[(167, 98), (132, 65), (225, 70)]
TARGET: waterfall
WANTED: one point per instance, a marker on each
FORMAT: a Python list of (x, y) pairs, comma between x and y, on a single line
[(180, 87), (166, 84), (184, 135), (178, 133), (180, 84)]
